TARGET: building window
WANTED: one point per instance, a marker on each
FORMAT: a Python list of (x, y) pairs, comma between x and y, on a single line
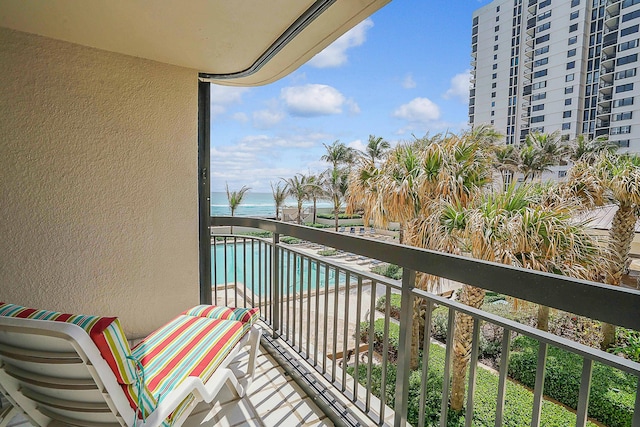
[(493, 113), (623, 143), (627, 45), (627, 3), (574, 3), (571, 52), (631, 15), (493, 103), (544, 3), (544, 15), (568, 90), (537, 119), (540, 62), (537, 107), (542, 50), (495, 47), (566, 114), (494, 75), (497, 18), (622, 116), (538, 96), (627, 59), (569, 77), (498, 9), (496, 28), (493, 85), (539, 85), (495, 57), (562, 174), (540, 73), (493, 94), (542, 39), (495, 66), (574, 15), (631, 72), (624, 88), (566, 126), (573, 40), (544, 26), (629, 30), (567, 101), (573, 28), (620, 130), (623, 102), (571, 65), (495, 38)]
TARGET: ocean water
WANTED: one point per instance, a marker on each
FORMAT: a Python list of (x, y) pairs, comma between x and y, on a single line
[(253, 204)]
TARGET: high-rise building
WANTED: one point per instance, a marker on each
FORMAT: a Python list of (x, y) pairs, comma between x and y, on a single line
[(557, 65)]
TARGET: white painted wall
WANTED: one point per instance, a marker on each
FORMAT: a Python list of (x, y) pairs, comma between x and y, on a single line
[(98, 182)]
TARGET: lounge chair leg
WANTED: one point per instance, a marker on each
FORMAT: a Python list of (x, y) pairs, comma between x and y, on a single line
[(7, 415), (254, 341)]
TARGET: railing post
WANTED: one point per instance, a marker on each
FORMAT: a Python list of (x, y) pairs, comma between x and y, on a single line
[(275, 284), (404, 348)]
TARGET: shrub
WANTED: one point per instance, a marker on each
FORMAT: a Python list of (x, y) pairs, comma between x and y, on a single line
[(290, 240), (378, 337), (519, 400), (381, 305), (439, 321), (316, 225), (391, 271), (629, 347), (328, 252), (340, 216), (264, 234), (612, 392)]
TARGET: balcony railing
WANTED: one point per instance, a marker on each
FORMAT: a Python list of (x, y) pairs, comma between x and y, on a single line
[(317, 304)]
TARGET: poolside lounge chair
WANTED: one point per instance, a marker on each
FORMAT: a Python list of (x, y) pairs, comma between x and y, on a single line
[(75, 370)]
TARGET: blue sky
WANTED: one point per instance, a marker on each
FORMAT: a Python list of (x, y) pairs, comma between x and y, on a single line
[(404, 71)]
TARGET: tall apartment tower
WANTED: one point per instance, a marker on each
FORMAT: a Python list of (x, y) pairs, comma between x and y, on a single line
[(557, 65)]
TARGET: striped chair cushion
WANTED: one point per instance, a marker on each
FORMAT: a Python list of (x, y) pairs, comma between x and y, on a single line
[(105, 332), (244, 315)]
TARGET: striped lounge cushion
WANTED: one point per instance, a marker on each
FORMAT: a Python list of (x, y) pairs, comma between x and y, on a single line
[(105, 332), (186, 346), (248, 316)]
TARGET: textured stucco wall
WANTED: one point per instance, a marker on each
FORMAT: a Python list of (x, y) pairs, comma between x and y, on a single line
[(98, 182)]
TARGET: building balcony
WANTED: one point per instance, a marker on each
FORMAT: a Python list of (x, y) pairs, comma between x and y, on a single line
[(316, 306)]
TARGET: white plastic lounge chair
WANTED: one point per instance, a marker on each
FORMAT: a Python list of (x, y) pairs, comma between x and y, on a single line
[(74, 370)]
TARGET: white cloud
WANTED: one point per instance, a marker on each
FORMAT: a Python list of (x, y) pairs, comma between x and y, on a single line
[(264, 119), (354, 108), (335, 54), (312, 100), (240, 117), (418, 110), (459, 88), (358, 145), (408, 82), (224, 96)]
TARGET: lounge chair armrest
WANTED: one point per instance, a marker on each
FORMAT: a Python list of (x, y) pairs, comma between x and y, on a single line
[(191, 385)]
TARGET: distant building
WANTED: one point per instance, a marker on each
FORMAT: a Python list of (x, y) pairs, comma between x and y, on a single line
[(557, 65)]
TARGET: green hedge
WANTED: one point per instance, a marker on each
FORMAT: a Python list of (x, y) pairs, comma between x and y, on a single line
[(316, 225), (612, 392), (340, 216), (391, 271), (519, 400), (290, 240), (381, 304)]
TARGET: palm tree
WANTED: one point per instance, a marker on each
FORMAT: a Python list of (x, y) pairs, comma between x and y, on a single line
[(335, 183), (279, 196), (338, 154), (505, 160), (525, 226), (314, 192), (297, 188), (235, 198), (376, 148), (610, 179), (587, 149), (539, 152)]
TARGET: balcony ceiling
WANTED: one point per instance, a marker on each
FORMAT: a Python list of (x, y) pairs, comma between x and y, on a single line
[(235, 42)]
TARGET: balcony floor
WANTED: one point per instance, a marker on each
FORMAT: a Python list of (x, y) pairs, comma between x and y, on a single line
[(273, 399)]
